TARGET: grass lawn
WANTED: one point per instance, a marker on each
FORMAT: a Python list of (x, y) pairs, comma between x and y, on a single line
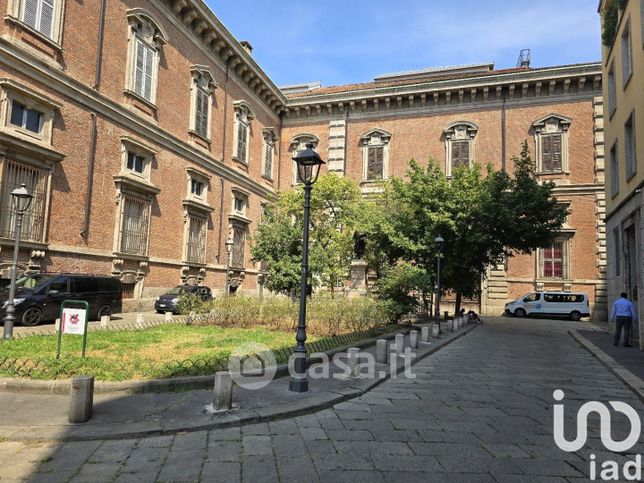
[(164, 351)]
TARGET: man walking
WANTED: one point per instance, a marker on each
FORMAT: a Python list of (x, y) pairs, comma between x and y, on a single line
[(623, 314)]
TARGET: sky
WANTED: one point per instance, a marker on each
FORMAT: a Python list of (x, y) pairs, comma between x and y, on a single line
[(347, 41)]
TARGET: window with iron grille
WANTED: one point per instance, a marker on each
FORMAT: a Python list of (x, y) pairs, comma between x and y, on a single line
[(134, 226), (39, 14), (128, 290), (239, 243), (552, 260), (550, 152), (196, 239), (33, 225)]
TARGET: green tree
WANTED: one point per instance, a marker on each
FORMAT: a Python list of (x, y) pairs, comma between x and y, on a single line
[(336, 213)]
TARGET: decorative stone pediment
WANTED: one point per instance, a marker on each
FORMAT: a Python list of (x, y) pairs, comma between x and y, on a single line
[(375, 137), (144, 24), (461, 130), (552, 123), (203, 77)]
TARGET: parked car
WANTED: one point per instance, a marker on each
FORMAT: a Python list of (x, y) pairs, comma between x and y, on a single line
[(168, 302), (552, 303), (39, 297)]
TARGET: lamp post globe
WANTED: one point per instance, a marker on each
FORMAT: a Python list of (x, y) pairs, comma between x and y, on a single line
[(308, 169), (21, 199), (229, 251)]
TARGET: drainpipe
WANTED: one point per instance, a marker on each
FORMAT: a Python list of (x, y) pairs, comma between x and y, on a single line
[(94, 132), (223, 159)]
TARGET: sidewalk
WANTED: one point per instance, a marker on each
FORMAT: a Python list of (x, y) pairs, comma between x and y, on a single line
[(136, 415), (627, 363)]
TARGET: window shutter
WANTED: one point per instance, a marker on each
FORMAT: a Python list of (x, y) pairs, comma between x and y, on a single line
[(268, 160), (556, 151), (375, 163), (30, 13), (460, 153), (242, 142), (139, 73), (149, 64), (546, 153), (47, 18), (201, 113)]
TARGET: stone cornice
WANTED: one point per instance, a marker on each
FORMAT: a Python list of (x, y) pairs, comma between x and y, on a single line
[(25, 63), (208, 30), (576, 81)]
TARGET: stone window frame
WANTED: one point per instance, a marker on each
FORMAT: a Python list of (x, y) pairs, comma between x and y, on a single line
[(548, 125), (459, 131), (626, 45), (375, 138), (144, 29), (134, 146), (269, 149), (196, 208), (15, 14), (298, 143), (202, 82), (613, 159), (630, 146), (239, 194), (193, 174), (565, 239), (243, 118), (612, 90), (12, 91)]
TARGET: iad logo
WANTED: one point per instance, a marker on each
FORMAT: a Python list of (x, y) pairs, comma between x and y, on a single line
[(610, 469)]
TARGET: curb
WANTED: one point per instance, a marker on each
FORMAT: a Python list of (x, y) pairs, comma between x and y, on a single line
[(244, 417), (626, 376)]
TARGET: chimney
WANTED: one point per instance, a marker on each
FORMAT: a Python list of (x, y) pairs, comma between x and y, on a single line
[(247, 46)]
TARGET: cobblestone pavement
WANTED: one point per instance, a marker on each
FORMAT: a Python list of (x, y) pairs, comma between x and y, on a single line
[(478, 410)]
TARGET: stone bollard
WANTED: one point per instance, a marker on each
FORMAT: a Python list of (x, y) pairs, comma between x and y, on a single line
[(81, 399), (105, 320), (400, 343), (424, 334), (353, 353), (413, 339), (382, 351), (168, 316), (140, 319), (435, 332), (223, 393), (57, 326)]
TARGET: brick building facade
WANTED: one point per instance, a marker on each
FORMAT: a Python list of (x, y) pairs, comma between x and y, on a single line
[(149, 136)]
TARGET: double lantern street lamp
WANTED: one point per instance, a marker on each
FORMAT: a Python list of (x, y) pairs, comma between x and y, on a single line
[(308, 170), (440, 242), (21, 202), (229, 253)]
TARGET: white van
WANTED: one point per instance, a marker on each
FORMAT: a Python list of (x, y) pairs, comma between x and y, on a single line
[(570, 304)]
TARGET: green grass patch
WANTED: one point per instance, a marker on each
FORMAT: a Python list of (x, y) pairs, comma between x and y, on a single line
[(167, 350)]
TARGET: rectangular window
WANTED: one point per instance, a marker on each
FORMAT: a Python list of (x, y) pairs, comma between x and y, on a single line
[(134, 226), (614, 171), (144, 67), (196, 187), (136, 163), (460, 153), (612, 90), (25, 118), (240, 204), (617, 253), (239, 242), (197, 240), (375, 162), (550, 153), (552, 260), (33, 224), (201, 113), (268, 161), (242, 141), (627, 54), (39, 14), (629, 147)]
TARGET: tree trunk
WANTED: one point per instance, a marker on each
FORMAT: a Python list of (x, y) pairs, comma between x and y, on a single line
[(457, 309)]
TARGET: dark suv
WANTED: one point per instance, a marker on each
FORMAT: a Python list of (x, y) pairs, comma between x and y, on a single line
[(38, 297), (168, 301)]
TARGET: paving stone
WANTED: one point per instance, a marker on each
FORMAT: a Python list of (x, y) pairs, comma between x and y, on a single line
[(312, 434), (349, 435), (259, 469), (435, 449), (223, 451), (333, 461), (259, 429), (196, 440), (257, 445), (336, 476), (182, 465), (155, 442), (298, 469), (221, 472), (284, 426), (506, 450), (288, 445), (112, 451), (92, 472), (226, 434), (478, 464)]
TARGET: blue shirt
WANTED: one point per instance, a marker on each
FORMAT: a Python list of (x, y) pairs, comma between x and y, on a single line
[(623, 308)]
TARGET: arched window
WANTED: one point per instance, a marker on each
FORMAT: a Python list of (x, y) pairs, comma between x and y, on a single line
[(459, 144), (375, 155), (202, 89), (551, 141), (243, 116)]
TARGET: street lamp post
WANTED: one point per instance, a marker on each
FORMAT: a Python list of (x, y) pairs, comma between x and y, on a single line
[(439, 241), (308, 170), (21, 202), (229, 252)]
